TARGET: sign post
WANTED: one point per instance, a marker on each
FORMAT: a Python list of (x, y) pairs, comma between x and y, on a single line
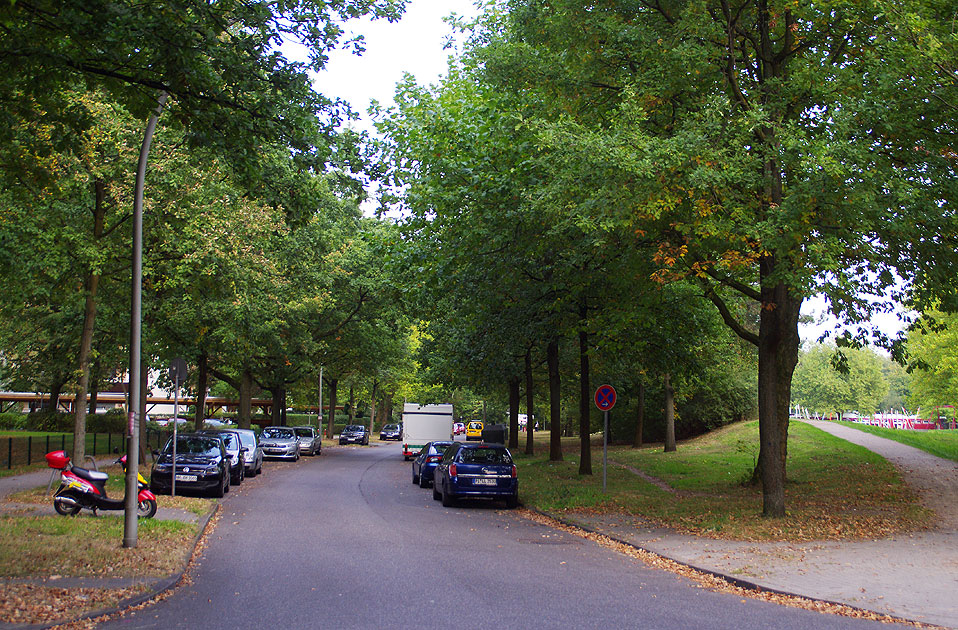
[(605, 400)]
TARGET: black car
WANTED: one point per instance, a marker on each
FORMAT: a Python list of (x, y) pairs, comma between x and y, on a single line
[(390, 432), (354, 434), (425, 463), (202, 464), (236, 451)]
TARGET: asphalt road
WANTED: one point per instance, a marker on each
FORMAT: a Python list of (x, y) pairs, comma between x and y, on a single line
[(345, 540)]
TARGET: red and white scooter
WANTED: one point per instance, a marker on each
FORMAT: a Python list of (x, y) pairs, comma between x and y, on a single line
[(86, 489)]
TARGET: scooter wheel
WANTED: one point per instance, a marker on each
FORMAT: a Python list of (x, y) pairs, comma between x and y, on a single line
[(64, 509), (146, 508)]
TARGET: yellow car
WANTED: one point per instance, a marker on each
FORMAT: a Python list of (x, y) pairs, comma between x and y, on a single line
[(474, 430)]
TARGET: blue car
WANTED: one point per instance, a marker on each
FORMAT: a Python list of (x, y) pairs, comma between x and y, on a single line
[(425, 463), (480, 471)]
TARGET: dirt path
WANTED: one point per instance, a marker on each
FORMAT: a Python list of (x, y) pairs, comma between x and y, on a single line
[(935, 479)]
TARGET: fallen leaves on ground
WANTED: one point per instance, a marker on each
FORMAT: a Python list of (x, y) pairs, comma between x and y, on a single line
[(39, 603)]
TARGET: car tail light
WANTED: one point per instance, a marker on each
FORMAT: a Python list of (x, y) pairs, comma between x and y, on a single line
[(434, 458), (515, 472), (452, 470)]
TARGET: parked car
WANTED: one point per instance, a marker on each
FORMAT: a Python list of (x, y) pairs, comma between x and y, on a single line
[(459, 428), (390, 432), (424, 466), (279, 442), (309, 440), (254, 452), (473, 430), (236, 450), (202, 464), (476, 471), (354, 434)]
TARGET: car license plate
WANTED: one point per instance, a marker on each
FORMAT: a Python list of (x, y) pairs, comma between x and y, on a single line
[(484, 482), (185, 477)]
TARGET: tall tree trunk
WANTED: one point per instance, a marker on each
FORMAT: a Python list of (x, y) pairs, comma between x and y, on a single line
[(372, 405), (514, 412), (530, 421), (555, 405), (333, 387), (639, 417), (777, 357), (278, 409), (202, 384), (55, 390), (669, 414), (92, 284), (245, 411), (95, 381), (352, 404), (585, 398)]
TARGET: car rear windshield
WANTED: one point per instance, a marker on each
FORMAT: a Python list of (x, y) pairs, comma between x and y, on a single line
[(440, 447), (485, 456), (278, 433)]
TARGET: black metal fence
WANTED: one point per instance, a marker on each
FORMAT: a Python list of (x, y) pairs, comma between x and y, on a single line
[(23, 451)]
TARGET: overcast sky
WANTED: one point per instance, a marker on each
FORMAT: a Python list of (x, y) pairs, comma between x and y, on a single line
[(414, 45)]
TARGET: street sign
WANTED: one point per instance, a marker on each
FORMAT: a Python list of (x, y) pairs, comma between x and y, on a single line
[(178, 370), (605, 397)]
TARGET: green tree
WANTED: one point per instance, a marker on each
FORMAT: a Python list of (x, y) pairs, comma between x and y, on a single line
[(829, 381), (768, 149)]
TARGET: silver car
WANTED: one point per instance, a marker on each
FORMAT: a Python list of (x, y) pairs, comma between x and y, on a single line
[(254, 452), (310, 442), (279, 442)]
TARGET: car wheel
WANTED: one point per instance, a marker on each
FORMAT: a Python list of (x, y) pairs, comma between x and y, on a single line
[(435, 491), (512, 502), (220, 490), (415, 477), (423, 483), (447, 500)]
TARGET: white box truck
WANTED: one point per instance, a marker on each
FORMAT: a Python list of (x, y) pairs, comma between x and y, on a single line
[(424, 423)]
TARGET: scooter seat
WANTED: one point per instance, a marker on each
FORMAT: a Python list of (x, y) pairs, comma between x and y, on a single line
[(92, 475)]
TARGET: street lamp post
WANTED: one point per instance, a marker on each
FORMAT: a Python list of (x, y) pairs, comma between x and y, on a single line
[(136, 313)]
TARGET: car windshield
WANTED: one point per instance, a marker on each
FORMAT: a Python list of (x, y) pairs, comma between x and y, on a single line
[(278, 433), (304, 432), (356, 427), (229, 440), (391, 427), (485, 456), (248, 439), (194, 446)]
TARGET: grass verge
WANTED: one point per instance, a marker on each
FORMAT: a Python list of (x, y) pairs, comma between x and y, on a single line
[(938, 442), (836, 490), (37, 552)]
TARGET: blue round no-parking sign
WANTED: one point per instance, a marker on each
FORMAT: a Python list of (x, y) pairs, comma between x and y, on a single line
[(605, 397)]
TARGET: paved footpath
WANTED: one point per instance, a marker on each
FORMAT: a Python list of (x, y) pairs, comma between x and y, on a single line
[(911, 576)]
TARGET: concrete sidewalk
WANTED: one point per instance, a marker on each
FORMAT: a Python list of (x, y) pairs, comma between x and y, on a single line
[(912, 576)]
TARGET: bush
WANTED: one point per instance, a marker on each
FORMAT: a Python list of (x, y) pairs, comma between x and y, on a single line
[(13, 421), (109, 422)]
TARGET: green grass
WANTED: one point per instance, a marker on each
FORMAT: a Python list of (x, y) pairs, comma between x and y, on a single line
[(938, 442), (40, 546), (835, 489)]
